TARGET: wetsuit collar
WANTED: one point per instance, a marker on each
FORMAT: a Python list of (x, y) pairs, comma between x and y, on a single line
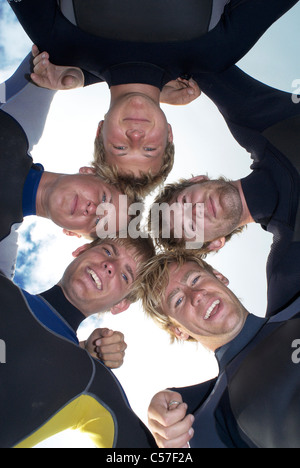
[(227, 352), (136, 72), (30, 189), (70, 314)]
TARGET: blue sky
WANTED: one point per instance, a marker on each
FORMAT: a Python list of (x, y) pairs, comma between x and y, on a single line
[(199, 132)]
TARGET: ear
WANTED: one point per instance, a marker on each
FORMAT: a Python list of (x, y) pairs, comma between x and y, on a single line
[(120, 307), (170, 134), (198, 178), (80, 250), (71, 233), (217, 244), (180, 334), (99, 128), (221, 277), (87, 170)]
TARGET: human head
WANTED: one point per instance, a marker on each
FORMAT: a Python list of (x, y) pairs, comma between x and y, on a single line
[(190, 300), (134, 144), (105, 274), (72, 201), (222, 212)]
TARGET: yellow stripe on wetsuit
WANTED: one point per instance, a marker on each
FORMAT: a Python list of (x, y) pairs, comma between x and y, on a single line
[(96, 421)]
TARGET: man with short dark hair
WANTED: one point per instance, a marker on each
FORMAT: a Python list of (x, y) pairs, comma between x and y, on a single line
[(70, 201)]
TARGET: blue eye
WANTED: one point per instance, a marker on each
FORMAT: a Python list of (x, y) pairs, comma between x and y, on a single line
[(107, 251), (195, 280), (97, 221), (178, 302), (125, 278), (104, 198)]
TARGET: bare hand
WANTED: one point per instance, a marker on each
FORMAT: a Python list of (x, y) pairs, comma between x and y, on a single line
[(168, 422), (180, 92), (108, 346), (50, 76)]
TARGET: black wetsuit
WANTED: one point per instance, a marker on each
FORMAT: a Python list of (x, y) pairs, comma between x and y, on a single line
[(254, 403), (49, 384), (145, 60)]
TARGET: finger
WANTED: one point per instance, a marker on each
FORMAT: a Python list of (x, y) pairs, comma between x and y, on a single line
[(112, 350), (37, 79), (110, 338), (113, 364), (179, 442), (177, 435), (35, 50), (41, 66), (166, 417), (40, 57)]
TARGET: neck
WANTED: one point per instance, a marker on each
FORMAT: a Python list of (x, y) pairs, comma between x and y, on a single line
[(120, 91), (246, 217), (47, 182)]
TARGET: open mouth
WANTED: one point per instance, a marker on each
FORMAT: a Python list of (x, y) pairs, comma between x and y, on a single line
[(212, 310), (95, 278)]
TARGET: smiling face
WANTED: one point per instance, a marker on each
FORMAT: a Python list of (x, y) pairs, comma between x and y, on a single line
[(100, 278), (222, 207), (201, 306), (135, 133), (73, 201)]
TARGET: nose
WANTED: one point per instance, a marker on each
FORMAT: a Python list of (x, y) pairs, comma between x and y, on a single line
[(135, 134), (90, 208), (109, 269), (197, 297)]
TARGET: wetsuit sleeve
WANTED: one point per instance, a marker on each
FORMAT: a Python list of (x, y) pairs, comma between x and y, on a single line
[(248, 106), (25, 102), (38, 19), (195, 395)]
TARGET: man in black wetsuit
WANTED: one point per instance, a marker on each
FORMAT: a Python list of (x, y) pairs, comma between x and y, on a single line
[(266, 122), (61, 385), (254, 402), (166, 42), (69, 200)]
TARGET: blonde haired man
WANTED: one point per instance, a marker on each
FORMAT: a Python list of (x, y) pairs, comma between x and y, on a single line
[(137, 48), (254, 401)]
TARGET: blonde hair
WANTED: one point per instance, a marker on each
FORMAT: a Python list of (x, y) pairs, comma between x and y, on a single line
[(128, 183), (141, 249), (154, 281), (167, 195)]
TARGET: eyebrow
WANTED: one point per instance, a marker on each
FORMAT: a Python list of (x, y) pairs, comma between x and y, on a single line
[(129, 269)]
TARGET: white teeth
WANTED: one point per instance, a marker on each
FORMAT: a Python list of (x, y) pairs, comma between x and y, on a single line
[(210, 310), (95, 278)]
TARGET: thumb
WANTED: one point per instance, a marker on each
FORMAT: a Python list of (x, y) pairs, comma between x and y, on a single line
[(69, 82), (105, 332)]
